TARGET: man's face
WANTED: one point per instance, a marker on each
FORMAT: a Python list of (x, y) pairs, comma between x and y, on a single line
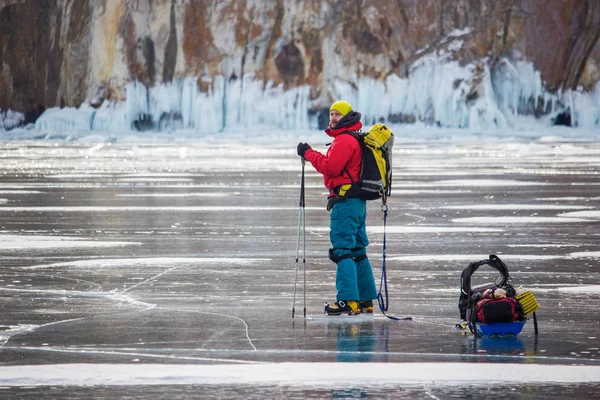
[(334, 118)]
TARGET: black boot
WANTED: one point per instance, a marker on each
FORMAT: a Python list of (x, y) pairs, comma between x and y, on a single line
[(366, 306)]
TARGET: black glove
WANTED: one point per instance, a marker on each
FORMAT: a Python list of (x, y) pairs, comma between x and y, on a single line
[(302, 147), (333, 200)]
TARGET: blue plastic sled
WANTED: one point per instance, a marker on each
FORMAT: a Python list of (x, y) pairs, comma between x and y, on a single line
[(500, 328)]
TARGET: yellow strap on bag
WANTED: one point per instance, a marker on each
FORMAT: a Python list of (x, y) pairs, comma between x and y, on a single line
[(344, 189)]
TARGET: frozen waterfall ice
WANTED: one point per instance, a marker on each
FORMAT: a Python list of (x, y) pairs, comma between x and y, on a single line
[(436, 92)]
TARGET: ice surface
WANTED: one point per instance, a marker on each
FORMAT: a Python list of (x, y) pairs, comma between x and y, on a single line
[(197, 276)]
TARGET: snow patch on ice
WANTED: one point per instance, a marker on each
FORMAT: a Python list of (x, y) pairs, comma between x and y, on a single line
[(475, 182), (595, 214), (429, 229), (567, 198), (199, 194), (515, 207), (24, 242), (518, 220), (89, 209), (17, 191), (553, 245), (416, 229), (294, 374), (90, 175), (155, 179), (594, 289), (586, 254), (471, 257), (163, 174), (428, 191), (156, 261)]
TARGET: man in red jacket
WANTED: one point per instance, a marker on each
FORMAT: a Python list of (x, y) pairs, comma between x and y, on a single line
[(340, 167)]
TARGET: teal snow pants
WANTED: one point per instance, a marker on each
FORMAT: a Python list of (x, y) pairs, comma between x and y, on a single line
[(354, 276)]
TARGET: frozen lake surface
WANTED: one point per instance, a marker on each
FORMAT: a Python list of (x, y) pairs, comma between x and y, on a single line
[(155, 269)]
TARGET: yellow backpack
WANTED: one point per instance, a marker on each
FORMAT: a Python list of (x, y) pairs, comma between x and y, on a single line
[(376, 168)]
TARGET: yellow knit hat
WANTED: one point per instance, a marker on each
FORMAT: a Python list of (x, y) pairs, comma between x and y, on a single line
[(341, 106)]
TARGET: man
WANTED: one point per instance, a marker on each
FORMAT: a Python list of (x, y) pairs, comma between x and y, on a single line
[(340, 167)]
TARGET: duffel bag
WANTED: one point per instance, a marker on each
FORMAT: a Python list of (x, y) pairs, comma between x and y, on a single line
[(507, 309)]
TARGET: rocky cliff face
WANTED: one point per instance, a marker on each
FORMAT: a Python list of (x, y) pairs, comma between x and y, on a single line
[(64, 52)]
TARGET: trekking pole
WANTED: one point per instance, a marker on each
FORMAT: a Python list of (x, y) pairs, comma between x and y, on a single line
[(302, 200), (301, 221)]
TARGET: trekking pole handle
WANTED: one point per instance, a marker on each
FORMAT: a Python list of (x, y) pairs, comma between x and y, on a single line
[(302, 188)]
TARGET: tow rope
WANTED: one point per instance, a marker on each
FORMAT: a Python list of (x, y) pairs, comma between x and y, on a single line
[(383, 298)]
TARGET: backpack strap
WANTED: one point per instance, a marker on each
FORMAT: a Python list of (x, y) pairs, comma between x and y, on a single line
[(354, 134)]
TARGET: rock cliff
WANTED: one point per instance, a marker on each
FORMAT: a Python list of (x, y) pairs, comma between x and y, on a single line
[(59, 53)]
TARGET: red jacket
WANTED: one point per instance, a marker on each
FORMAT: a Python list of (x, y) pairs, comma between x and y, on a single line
[(345, 152)]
